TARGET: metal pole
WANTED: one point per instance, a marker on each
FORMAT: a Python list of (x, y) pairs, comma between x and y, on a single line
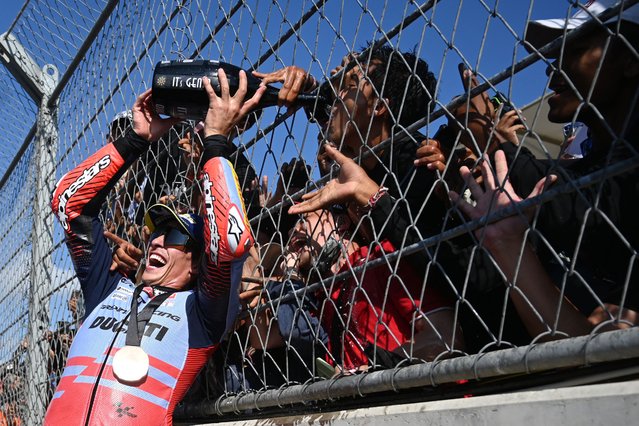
[(41, 263)]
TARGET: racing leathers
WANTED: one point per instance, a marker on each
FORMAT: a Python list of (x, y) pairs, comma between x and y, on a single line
[(183, 331)]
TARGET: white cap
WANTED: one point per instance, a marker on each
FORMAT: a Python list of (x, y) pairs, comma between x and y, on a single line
[(539, 33)]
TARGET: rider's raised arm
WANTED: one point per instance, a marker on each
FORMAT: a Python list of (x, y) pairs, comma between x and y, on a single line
[(227, 240), (80, 193), (76, 202)]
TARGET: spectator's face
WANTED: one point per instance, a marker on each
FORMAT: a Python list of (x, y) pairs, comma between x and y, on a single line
[(65, 339), (352, 111), (581, 61), (168, 266), (309, 236)]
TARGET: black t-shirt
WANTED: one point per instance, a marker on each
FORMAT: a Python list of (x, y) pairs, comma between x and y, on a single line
[(413, 211), (593, 227)]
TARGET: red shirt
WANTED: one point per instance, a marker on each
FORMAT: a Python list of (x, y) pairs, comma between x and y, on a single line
[(376, 307)]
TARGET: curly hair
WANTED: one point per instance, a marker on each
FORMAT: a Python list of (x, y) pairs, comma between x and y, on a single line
[(409, 86)]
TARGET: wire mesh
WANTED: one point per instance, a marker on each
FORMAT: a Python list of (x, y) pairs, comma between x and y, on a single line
[(389, 274)]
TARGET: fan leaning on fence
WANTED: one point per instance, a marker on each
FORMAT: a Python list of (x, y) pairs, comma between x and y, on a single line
[(583, 278), (188, 295), (394, 315)]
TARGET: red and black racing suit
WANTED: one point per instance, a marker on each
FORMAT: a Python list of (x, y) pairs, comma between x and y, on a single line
[(182, 332)]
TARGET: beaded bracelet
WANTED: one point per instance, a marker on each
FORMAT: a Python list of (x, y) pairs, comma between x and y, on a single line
[(373, 200)]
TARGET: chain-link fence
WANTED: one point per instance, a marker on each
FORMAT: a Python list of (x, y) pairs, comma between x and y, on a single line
[(416, 270)]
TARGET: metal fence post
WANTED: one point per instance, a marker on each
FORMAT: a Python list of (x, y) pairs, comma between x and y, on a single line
[(39, 83), (42, 246)]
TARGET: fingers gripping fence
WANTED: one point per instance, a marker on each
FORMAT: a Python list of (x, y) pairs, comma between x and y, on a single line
[(420, 251)]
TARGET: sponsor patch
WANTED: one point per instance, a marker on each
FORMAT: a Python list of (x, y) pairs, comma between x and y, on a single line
[(209, 199), (82, 180), (121, 293), (235, 229)]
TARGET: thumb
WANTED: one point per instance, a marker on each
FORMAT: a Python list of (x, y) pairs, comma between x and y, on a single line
[(435, 143), (465, 78), (542, 185), (470, 79)]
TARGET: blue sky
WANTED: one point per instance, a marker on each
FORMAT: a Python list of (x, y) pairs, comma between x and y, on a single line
[(463, 26), (10, 9), (461, 23), (472, 18)]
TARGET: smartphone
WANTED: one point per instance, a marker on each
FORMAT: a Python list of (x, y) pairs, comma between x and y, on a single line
[(323, 368)]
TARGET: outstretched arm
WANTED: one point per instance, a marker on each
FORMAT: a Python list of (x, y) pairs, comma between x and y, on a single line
[(536, 297), (227, 234), (81, 192), (294, 81), (352, 186)]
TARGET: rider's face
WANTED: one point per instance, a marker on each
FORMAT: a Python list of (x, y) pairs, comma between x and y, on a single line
[(168, 266)]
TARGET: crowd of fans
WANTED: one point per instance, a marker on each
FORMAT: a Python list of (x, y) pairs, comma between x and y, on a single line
[(13, 373), (328, 289)]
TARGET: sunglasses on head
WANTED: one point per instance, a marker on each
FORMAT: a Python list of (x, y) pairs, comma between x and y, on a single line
[(174, 238)]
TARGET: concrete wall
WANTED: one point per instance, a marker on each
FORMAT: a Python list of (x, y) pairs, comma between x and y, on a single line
[(605, 404)]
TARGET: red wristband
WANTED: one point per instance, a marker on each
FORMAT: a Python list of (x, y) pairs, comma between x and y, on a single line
[(373, 200)]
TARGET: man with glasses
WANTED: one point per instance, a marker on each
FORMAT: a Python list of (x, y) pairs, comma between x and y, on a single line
[(574, 266), (374, 94), (142, 344)]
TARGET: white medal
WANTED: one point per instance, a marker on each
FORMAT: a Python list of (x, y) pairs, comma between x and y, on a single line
[(130, 365)]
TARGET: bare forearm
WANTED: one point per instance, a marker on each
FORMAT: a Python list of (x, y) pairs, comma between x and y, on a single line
[(534, 294), (434, 336)]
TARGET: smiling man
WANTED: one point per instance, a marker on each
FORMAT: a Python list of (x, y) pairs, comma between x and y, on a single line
[(590, 233), (596, 75), (389, 201), (142, 344)]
